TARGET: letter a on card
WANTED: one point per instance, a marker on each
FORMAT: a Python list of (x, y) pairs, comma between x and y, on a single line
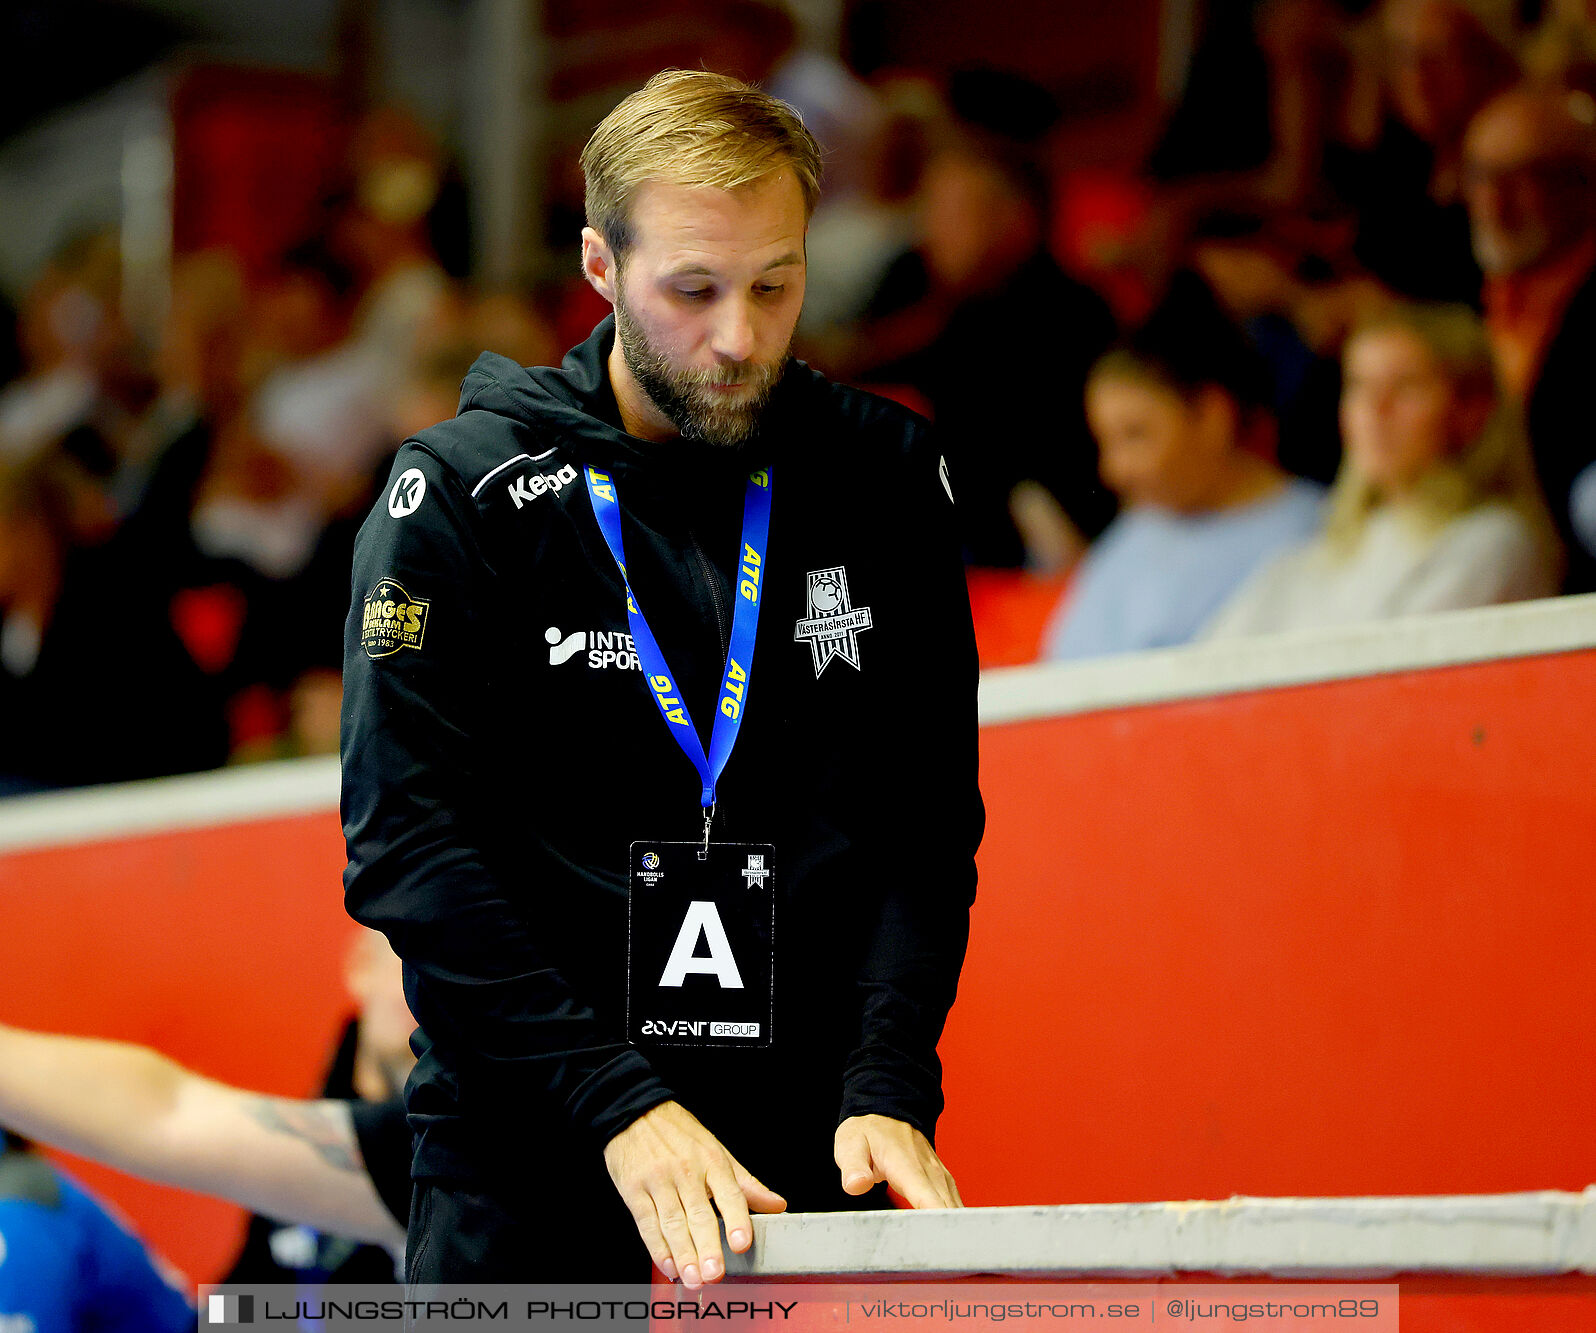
[(702, 919)]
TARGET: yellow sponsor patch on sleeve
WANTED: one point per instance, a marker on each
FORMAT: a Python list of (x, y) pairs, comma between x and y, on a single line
[(391, 619)]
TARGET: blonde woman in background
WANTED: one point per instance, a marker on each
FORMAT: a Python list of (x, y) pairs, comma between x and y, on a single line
[(1435, 506)]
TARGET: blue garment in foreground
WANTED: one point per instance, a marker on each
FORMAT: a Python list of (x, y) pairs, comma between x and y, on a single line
[(66, 1266), (1156, 577)]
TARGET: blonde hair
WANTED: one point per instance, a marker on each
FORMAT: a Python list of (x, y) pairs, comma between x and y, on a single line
[(694, 128), (1493, 466)]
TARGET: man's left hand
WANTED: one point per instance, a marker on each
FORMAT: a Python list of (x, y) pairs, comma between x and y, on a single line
[(875, 1148)]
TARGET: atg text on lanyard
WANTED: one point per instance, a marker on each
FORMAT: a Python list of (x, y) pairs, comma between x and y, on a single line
[(733, 701)]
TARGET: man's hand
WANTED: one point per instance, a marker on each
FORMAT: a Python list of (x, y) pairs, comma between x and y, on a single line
[(668, 1168), (873, 1148)]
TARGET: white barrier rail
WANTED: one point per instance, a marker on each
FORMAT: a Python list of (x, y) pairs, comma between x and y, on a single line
[(1303, 657), (162, 805), (1546, 1233)]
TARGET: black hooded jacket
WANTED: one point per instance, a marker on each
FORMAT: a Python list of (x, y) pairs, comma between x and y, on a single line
[(501, 752)]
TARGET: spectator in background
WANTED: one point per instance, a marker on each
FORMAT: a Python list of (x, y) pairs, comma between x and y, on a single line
[(1444, 59), (759, 42), (979, 319), (74, 350), (1220, 126), (304, 671), (860, 231), (219, 475), (1269, 87), (872, 150), (165, 454), (1562, 49), (68, 1266), (1435, 506), (253, 506), (1266, 284), (1347, 125), (1439, 61), (314, 427), (1530, 182), (95, 685), (1183, 432)]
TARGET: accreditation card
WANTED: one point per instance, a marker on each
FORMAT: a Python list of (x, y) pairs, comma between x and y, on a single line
[(701, 924)]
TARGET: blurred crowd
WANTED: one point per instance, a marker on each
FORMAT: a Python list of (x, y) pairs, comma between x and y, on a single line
[(1407, 258), (1317, 358), (182, 515)]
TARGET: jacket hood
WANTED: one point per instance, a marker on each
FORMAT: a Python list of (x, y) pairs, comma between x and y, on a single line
[(577, 402)]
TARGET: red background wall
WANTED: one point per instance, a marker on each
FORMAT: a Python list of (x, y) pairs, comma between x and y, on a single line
[(1335, 939)]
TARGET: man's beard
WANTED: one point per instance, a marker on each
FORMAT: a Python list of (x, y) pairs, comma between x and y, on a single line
[(686, 396)]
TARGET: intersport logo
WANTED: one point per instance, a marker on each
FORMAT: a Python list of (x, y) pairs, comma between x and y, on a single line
[(605, 649)]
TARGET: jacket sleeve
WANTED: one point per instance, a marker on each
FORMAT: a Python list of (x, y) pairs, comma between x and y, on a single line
[(425, 867), (930, 820)]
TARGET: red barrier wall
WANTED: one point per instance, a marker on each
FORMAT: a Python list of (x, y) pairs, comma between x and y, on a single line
[(1332, 939)]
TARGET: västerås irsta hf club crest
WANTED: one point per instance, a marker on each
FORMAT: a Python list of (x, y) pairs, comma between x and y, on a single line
[(833, 625)]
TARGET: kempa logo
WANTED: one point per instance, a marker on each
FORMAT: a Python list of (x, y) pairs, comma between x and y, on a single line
[(405, 497), (604, 648), (529, 488)]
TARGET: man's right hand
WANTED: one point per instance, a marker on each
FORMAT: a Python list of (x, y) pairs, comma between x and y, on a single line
[(668, 1168)]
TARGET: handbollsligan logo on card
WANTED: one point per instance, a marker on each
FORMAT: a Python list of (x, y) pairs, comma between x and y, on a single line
[(391, 619)]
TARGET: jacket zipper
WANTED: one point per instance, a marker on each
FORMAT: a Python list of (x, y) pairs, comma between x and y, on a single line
[(708, 571)]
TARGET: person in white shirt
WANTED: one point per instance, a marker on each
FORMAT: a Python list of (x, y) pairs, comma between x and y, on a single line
[(1184, 438), (1435, 506)]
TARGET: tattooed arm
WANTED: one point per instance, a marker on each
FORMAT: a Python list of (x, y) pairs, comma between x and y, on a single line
[(134, 1109)]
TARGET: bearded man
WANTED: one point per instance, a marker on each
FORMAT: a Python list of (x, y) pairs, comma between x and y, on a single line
[(1530, 183), (659, 747)]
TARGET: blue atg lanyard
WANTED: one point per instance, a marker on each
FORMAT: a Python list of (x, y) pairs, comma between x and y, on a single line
[(739, 657)]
